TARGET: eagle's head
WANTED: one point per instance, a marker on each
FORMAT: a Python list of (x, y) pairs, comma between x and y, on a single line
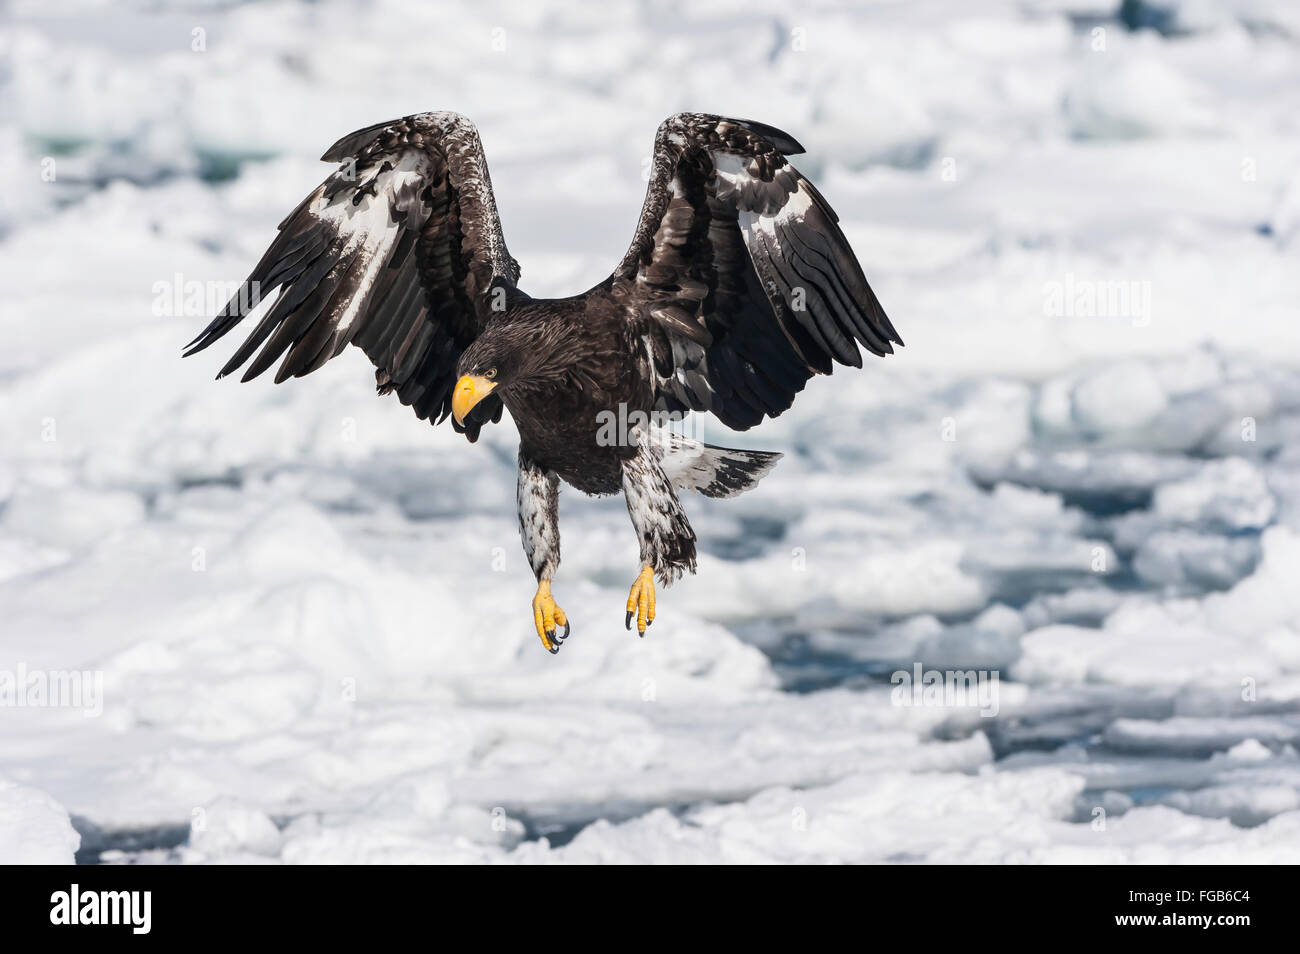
[(512, 354), (494, 360)]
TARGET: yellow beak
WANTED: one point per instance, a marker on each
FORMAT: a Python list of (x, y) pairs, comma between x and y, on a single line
[(470, 389)]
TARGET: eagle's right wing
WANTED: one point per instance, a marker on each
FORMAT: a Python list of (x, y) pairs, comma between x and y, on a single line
[(399, 252)]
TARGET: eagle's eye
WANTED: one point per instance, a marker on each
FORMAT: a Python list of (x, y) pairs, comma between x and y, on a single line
[(490, 374)]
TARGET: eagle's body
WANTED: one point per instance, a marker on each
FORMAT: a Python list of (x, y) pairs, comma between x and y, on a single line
[(737, 288), (558, 421)]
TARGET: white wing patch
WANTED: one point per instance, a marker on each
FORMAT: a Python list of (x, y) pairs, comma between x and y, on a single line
[(730, 168), (734, 179), (367, 226), (793, 211)]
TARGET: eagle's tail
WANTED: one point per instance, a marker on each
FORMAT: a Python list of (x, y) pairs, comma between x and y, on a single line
[(714, 471)]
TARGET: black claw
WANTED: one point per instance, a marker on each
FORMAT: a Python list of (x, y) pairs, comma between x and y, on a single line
[(566, 631), (649, 623), (555, 648), (628, 622)]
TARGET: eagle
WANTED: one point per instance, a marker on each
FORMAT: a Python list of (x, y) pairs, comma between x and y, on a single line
[(737, 288)]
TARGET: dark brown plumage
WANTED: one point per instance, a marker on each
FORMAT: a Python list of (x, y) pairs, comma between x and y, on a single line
[(737, 288)]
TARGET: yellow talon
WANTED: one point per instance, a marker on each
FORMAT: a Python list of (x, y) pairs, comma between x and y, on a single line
[(547, 616), (641, 601)]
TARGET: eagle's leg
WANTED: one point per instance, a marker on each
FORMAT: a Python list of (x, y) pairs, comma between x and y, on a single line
[(539, 529), (667, 540)]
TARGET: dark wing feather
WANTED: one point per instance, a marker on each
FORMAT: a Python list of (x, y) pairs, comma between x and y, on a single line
[(739, 277), (399, 252)]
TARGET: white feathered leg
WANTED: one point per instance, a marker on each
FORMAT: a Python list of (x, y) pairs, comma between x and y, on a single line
[(539, 530), (666, 538)]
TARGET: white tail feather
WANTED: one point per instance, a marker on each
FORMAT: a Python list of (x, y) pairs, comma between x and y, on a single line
[(714, 471)]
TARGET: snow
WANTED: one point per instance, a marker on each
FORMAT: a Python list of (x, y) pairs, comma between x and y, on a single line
[(309, 611), (34, 828)]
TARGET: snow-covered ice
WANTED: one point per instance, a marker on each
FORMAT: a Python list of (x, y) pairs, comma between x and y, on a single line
[(291, 624)]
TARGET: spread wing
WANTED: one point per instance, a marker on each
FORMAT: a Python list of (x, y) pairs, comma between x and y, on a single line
[(738, 278), (399, 252)]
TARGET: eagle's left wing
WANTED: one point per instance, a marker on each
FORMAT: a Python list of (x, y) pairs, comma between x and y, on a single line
[(399, 252), (739, 278)]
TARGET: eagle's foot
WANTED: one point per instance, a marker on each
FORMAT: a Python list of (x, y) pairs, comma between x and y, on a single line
[(641, 601), (547, 616)]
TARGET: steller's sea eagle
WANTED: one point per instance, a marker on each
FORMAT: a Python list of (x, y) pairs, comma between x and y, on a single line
[(737, 288)]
